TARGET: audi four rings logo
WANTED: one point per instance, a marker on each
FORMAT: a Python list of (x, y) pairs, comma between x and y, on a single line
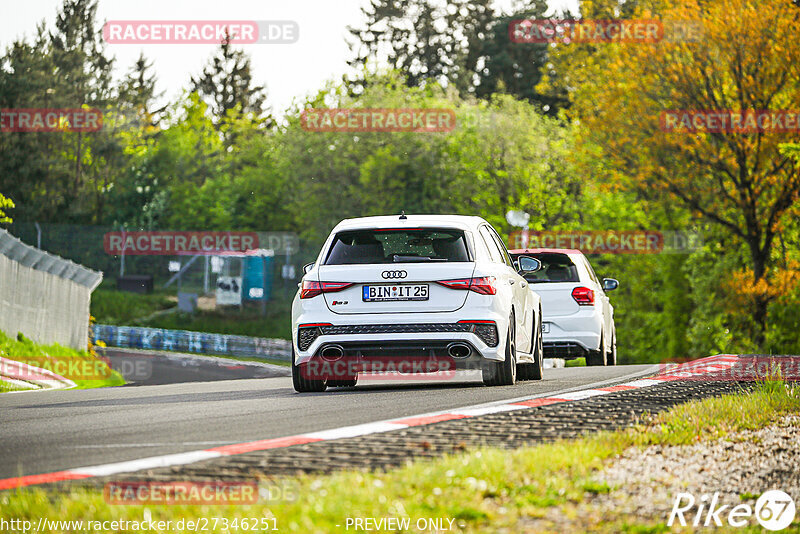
[(393, 274)]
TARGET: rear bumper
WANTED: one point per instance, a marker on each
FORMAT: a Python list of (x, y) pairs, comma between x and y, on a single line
[(571, 336), (395, 341), (408, 356), (567, 350)]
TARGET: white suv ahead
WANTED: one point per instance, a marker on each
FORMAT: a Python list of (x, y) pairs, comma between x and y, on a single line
[(578, 316), (417, 288)]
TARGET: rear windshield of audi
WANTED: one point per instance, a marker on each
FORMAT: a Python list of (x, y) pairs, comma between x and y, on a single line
[(398, 246), (555, 268)]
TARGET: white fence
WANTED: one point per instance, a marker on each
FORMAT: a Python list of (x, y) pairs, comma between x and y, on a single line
[(43, 296)]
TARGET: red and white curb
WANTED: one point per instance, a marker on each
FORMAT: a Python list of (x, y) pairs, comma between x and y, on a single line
[(712, 364), (30, 377)]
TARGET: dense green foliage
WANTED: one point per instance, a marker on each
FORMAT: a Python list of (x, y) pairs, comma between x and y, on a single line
[(122, 308), (5, 203), (216, 160)]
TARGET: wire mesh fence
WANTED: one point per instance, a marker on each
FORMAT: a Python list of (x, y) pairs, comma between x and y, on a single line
[(231, 268)]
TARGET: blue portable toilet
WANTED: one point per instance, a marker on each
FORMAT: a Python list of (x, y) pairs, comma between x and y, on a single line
[(253, 277)]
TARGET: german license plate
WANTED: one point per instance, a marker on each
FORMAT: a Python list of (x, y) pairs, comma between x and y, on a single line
[(545, 328), (395, 292)]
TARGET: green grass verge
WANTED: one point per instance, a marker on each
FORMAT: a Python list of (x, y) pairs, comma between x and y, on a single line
[(83, 368), (121, 307), (485, 490), (577, 362), (7, 386)]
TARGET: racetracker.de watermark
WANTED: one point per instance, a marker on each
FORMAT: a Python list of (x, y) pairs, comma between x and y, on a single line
[(67, 120), (730, 121), (566, 31), (71, 368), (199, 492), (174, 243), (389, 368), (747, 368), (378, 120), (608, 241), (201, 31)]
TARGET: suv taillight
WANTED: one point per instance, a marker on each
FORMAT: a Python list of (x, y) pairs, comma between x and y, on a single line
[(483, 284), (310, 288), (583, 296)]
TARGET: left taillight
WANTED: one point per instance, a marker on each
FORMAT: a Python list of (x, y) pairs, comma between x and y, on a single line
[(483, 284), (583, 296), (311, 288)]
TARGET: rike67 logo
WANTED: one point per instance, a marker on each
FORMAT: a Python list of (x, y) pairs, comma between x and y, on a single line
[(774, 510)]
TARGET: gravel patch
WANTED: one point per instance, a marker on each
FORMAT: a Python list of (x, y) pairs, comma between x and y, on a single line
[(644, 483)]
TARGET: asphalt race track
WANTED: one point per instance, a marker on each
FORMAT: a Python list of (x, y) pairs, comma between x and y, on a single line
[(55, 430), (154, 368)]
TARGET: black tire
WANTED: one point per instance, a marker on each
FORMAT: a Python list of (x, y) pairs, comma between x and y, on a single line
[(303, 384), (611, 357), (596, 358), (534, 371), (503, 373)]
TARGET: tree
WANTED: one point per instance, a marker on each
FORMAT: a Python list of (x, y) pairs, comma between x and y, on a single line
[(748, 59), (137, 91), (515, 68), (66, 67), (503, 154), (463, 43), (82, 75), (30, 163), (226, 85), (425, 40)]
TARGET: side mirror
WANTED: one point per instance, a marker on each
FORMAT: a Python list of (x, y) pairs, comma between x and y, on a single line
[(528, 264), (610, 284), (307, 267)]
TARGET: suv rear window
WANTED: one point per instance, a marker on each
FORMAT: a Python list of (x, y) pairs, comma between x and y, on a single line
[(555, 268), (397, 246)]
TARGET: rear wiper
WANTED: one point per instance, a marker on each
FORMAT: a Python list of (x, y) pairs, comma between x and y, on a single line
[(397, 258)]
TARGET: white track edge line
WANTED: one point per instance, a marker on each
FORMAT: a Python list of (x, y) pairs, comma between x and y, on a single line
[(361, 430)]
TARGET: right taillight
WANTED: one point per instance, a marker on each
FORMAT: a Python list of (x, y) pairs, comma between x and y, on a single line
[(483, 285), (583, 296), (310, 288)]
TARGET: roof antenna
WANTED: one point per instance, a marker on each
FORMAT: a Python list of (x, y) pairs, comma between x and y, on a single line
[(403, 215)]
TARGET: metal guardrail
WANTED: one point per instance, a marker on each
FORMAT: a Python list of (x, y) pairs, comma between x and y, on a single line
[(32, 257), (195, 342)]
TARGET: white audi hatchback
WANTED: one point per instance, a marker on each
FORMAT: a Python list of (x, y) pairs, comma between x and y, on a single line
[(578, 315), (418, 289)]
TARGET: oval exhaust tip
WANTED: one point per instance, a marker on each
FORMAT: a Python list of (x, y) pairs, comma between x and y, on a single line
[(459, 350), (332, 352)]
